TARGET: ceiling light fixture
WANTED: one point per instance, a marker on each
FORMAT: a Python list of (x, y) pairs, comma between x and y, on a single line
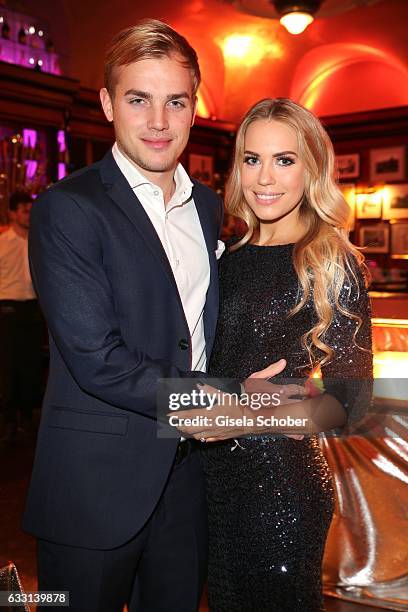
[(296, 15)]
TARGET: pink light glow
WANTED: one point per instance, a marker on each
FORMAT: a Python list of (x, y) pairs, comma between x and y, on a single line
[(30, 138), (61, 141), (24, 55), (29, 141), (62, 171), (31, 166)]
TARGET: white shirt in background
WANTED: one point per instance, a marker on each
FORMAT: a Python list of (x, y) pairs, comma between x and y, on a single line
[(15, 278)]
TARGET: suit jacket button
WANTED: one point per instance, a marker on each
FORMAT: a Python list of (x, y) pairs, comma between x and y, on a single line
[(183, 344)]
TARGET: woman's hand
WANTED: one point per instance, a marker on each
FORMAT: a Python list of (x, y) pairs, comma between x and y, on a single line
[(254, 384), (234, 417)]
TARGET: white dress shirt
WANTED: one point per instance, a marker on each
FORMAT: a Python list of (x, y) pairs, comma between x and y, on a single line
[(15, 278), (179, 229)]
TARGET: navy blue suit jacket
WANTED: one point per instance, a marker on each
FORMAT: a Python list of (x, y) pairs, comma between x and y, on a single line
[(116, 326)]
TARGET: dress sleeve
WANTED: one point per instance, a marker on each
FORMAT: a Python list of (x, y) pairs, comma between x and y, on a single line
[(349, 375)]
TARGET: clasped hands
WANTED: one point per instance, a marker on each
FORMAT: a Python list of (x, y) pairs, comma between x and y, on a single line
[(229, 418)]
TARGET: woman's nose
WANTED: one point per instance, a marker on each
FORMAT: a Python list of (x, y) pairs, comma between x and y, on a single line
[(267, 175)]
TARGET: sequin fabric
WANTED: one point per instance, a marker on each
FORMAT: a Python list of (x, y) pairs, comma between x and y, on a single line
[(270, 499)]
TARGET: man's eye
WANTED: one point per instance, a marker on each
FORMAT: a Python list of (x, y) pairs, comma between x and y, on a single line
[(176, 104), (136, 101), (250, 160), (284, 161)]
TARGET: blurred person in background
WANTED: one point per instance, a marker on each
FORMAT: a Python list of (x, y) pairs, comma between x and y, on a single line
[(20, 324)]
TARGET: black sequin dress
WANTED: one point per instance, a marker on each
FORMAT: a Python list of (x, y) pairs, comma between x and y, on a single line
[(270, 505)]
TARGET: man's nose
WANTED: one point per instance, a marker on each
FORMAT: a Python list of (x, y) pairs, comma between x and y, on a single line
[(158, 119)]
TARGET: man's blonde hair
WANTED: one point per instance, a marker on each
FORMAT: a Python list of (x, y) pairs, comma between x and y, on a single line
[(148, 39)]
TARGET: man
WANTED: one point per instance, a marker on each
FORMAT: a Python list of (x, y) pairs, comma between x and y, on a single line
[(123, 259), (20, 323)]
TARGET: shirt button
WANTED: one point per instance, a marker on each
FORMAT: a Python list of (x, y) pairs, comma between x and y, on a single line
[(156, 193), (183, 344)]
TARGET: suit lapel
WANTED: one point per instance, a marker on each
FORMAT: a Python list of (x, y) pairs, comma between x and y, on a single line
[(206, 216), (119, 190)]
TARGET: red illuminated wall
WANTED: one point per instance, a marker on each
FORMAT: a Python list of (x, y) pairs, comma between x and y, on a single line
[(365, 49)]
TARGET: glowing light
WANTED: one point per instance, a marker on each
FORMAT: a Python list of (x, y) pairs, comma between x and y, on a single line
[(237, 47), (380, 322), (316, 373), (387, 195), (391, 364), (29, 138), (1, 19), (389, 201), (40, 62), (202, 110), (40, 33), (296, 22), (31, 30), (31, 61), (31, 168), (62, 171), (248, 49), (61, 141), (364, 202)]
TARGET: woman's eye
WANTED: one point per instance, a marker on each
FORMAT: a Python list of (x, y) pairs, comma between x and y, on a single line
[(284, 161), (250, 160)]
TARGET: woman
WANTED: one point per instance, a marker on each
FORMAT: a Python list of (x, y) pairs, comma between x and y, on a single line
[(293, 286)]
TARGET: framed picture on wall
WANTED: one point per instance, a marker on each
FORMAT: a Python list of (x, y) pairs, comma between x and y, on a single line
[(399, 240), (368, 205), (348, 166), (375, 238), (388, 164), (396, 201), (349, 192), (201, 167)]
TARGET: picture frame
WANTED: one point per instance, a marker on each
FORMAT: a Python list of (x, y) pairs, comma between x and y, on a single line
[(375, 238), (387, 164), (399, 241), (369, 205), (396, 201), (349, 192), (348, 166), (201, 168)]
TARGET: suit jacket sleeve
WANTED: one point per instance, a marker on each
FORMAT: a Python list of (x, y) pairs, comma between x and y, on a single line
[(66, 262)]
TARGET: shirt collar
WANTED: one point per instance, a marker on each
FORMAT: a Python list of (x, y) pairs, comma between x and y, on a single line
[(136, 179)]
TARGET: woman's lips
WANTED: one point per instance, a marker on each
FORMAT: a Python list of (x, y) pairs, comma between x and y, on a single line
[(267, 198)]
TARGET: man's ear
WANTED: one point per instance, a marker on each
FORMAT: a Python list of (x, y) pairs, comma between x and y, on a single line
[(106, 102), (195, 102)]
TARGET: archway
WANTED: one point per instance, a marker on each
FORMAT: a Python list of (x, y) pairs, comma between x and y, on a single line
[(344, 78)]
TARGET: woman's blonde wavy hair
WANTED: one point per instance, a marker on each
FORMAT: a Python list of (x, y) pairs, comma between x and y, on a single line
[(322, 257)]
